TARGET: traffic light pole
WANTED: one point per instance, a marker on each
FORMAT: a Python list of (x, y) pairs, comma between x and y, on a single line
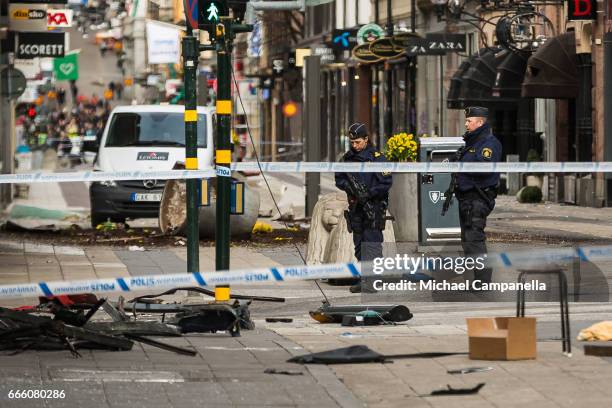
[(223, 153), (190, 65)]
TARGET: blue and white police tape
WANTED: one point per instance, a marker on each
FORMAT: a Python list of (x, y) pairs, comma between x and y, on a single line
[(132, 283), (45, 177), (502, 260), (426, 167), (313, 167)]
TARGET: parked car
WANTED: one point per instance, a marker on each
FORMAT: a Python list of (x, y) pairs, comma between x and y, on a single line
[(143, 137)]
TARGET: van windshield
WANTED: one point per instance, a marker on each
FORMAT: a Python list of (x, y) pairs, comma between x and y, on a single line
[(152, 129)]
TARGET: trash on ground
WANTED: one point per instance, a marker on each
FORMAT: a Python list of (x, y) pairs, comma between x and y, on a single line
[(279, 320), (360, 354), (469, 370), (458, 391), (136, 248), (283, 372), (601, 331), (380, 314), (70, 327), (599, 350), (261, 227), (502, 338)]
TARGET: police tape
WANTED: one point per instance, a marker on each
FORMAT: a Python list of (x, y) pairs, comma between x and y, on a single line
[(426, 167), (46, 177), (313, 167), (501, 260)]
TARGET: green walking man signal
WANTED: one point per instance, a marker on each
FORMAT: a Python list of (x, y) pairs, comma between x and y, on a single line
[(210, 12)]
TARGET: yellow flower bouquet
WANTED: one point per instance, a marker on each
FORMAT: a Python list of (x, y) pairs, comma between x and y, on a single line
[(402, 147)]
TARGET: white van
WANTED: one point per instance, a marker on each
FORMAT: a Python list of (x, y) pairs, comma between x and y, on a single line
[(143, 137)]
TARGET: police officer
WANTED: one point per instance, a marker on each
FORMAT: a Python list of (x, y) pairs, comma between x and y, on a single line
[(476, 192), (368, 207)]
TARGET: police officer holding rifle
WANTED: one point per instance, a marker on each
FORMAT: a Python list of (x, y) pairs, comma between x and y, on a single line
[(368, 197), (476, 192)]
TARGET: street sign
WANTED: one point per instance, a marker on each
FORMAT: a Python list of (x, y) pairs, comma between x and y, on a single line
[(369, 33), (12, 82), (210, 12), (67, 68), (582, 10), (344, 39), (191, 13), (28, 17), (362, 53), (435, 44), (59, 18), (32, 45), (384, 48)]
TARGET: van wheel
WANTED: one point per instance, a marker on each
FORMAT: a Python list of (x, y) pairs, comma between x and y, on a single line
[(97, 219)]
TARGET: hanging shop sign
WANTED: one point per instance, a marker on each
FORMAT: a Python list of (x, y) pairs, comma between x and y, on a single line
[(582, 10), (28, 17), (343, 40), (326, 53), (32, 45), (435, 44), (67, 68), (30, 68), (404, 39), (362, 53), (163, 43), (59, 18), (384, 48), (369, 33)]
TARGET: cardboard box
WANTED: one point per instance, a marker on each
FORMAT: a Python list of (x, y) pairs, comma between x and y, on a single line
[(502, 338)]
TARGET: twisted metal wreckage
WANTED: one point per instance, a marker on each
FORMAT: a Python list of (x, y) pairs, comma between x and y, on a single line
[(64, 322)]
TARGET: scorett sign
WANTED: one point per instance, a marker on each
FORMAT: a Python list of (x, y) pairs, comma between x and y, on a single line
[(32, 45)]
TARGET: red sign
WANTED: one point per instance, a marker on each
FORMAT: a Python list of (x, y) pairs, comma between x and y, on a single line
[(54, 19), (582, 10)]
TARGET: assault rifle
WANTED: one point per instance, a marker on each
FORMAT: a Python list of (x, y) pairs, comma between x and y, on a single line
[(358, 190), (450, 191)]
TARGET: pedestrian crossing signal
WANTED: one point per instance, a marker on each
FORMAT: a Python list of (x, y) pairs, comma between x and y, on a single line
[(210, 12)]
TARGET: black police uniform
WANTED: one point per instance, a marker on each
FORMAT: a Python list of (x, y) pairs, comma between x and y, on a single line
[(476, 192), (367, 231)]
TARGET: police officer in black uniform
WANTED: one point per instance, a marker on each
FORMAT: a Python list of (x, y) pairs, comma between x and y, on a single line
[(367, 209), (476, 192)]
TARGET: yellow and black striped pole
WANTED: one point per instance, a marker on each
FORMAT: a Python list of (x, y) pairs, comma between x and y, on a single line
[(190, 65), (223, 153)]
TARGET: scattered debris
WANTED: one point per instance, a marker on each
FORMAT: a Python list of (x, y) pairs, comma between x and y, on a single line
[(359, 354), (202, 317), (469, 370), (599, 350), (376, 314), (283, 372), (601, 331), (279, 320), (261, 227), (136, 248), (457, 391)]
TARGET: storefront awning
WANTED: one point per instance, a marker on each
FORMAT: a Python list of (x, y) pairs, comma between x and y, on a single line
[(474, 80), (551, 70), (510, 73)]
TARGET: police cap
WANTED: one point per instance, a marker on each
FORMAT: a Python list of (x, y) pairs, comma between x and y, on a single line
[(476, 111), (357, 130)]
